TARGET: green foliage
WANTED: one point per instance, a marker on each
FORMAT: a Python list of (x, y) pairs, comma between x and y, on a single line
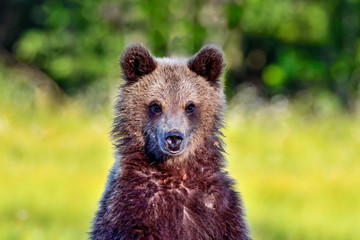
[(273, 76), (233, 14), (300, 21), (73, 46), (315, 45)]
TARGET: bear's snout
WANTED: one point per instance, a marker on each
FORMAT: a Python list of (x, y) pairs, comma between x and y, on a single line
[(173, 141)]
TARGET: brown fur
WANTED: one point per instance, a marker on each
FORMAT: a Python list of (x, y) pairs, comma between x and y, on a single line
[(187, 196), (136, 63), (208, 63)]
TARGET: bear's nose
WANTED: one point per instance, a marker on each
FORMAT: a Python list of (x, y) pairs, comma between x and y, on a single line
[(173, 140)]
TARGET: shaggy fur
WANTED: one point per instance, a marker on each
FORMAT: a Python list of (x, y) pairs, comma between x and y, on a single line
[(150, 193)]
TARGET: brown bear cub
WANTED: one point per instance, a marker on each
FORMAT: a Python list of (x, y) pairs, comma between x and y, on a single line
[(168, 180)]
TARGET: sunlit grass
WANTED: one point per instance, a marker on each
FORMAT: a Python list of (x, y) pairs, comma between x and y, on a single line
[(298, 174), (53, 167)]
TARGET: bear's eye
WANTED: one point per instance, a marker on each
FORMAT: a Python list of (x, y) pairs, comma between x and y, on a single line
[(190, 108), (155, 107)]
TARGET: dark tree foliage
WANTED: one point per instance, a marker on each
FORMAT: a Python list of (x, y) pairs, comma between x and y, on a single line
[(282, 47)]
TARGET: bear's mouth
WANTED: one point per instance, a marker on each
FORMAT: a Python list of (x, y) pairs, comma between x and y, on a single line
[(166, 150), (173, 153)]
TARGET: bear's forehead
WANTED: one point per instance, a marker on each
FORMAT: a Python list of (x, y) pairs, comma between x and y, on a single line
[(175, 82)]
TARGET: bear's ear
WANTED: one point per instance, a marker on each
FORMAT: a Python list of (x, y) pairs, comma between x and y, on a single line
[(136, 62), (208, 63)]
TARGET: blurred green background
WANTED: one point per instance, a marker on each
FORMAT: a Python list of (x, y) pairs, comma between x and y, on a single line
[(293, 122)]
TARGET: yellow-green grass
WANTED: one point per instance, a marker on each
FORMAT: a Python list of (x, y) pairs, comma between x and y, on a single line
[(53, 168), (299, 176)]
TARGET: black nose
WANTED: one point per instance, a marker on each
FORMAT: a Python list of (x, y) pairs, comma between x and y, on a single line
[(173, 140)]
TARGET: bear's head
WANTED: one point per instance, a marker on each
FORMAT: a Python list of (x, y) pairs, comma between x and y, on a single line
[(169, 108)]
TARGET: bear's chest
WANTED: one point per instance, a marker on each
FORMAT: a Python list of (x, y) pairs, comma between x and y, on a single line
[(189, 207), (181, 203)]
